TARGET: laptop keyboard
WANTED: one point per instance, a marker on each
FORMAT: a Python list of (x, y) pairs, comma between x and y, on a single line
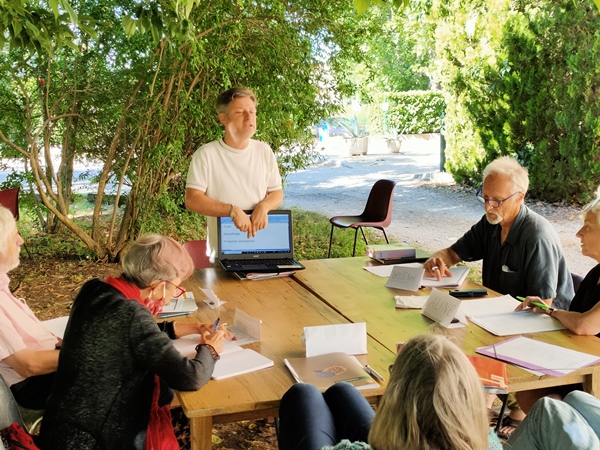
[(270, 262)]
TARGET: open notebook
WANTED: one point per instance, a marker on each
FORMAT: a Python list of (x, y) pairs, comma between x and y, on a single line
[(235, 360)]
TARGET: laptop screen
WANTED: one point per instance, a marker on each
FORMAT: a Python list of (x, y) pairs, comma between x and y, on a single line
[(275, 239)]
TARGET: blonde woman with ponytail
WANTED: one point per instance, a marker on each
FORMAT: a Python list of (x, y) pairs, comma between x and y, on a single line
[(434, 401)]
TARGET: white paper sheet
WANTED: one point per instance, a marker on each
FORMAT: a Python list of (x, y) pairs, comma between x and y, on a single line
[(459, 274), (212, 301), (185, 303), (484, 306), (350, 338), (384, 271), (411, 301), (540, 356), (521, 322), (57, 326)]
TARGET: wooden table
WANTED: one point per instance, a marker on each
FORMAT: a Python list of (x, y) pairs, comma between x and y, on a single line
[(360, 296), (285, 308)]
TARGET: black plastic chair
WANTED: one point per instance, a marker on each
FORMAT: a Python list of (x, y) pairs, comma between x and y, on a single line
[(377, 213)]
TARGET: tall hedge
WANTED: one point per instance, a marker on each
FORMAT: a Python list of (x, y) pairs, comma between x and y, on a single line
[(521, 79), (415, 112)]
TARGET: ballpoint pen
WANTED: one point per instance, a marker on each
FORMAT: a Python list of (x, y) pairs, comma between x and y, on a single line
[(538, 304), (216, 325), (373, 373), (173, 314)]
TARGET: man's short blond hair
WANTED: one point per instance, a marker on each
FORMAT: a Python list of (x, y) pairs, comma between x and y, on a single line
[(510, 167), (225, 98)]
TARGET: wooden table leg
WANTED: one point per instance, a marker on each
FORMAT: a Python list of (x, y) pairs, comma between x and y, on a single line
[(201, 433), (591, 384)]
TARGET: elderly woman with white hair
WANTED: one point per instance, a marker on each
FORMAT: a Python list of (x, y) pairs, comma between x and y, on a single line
[(583, 315), (117, 366), (28, 351)]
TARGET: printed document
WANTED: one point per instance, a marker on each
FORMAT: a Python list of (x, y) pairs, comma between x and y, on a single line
[(539, 356), (519, 322)]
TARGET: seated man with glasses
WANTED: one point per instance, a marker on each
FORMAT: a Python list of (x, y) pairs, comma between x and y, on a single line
[(520, 249)]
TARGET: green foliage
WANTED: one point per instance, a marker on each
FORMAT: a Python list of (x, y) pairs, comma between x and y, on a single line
[(397, 54), (139, 96), (520, 80), (352, 125), (415, 112), (35, 28)]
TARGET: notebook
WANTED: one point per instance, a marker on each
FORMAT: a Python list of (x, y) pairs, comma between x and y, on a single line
[(325, 370), (271, 250)]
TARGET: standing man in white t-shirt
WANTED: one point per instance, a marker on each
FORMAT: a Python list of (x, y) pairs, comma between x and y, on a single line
[(235, 173)]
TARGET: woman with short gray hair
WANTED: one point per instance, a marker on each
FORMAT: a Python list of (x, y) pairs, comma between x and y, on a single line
[(118, 366)]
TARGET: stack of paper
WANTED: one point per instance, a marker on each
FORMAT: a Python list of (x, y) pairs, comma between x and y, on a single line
[(185, 304), (390, 251), (539, 356), (411, 276)]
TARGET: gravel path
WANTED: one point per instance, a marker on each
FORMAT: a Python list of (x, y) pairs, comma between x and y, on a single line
[(430, 210)]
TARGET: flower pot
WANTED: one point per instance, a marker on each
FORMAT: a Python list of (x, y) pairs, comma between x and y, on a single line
[(358, 146), (394, 145)]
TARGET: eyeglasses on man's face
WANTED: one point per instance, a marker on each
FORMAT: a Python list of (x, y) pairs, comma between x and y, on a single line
[(492, 203), (179, 291)]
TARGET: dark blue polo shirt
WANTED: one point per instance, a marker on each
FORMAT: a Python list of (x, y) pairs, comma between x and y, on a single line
[(529, 262)]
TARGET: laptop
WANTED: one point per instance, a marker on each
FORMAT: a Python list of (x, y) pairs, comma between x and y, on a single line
[(271, 250)]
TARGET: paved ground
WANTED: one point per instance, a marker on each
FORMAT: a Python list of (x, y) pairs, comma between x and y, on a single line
[(430, 211)]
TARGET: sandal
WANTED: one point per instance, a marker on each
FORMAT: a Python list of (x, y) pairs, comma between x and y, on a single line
[(511, 424), (493, 417)]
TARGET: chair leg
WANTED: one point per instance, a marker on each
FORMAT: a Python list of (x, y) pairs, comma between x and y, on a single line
[(330, 240), (385, 235), (355, 235), (364, 236)]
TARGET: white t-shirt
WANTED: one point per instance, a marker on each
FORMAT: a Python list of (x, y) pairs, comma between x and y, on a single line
[(19, 329), (240, 177)]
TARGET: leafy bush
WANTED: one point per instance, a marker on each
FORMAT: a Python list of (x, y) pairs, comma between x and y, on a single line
[(521, 80), (415, 112)]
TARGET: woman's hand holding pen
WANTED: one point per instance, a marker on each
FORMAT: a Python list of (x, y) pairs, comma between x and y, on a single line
[(215, 338), (536, 304), (204, 328)]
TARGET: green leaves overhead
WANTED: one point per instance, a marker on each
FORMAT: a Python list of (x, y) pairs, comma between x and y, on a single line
[(138, 95), (37, 29)]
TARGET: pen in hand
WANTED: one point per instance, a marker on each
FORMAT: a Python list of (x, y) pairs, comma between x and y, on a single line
[(216, 324), (538, 304)]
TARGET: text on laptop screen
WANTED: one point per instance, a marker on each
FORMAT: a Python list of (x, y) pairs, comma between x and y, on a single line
[(273, 239)]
